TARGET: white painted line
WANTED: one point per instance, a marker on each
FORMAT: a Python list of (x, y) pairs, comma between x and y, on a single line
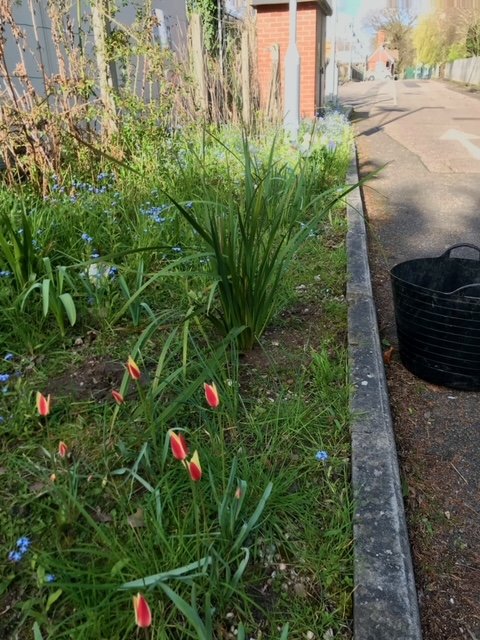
[(464, 139)]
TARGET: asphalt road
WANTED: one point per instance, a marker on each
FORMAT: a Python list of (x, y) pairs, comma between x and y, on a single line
[(430, 137)]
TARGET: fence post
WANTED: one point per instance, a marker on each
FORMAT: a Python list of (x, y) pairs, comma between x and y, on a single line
[(99, 30), (274, 101), (197, 53), (246, 88)]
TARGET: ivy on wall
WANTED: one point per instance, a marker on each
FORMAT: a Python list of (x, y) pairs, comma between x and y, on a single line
[(208, 9)]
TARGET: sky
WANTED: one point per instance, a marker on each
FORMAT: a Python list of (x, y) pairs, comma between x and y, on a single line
[(352, 13)]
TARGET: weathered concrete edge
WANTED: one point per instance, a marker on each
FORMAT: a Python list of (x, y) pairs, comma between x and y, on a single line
[(385, 598)]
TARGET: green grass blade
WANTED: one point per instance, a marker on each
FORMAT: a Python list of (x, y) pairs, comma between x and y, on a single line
[(248, 526), (158, 578), (188, 611)]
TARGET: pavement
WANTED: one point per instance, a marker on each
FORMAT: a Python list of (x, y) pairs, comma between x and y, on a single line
[(426, 138)]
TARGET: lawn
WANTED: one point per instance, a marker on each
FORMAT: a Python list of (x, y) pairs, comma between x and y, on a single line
[(174, 410)]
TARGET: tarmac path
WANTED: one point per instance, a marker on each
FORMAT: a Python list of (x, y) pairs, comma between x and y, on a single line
[(423, 201)]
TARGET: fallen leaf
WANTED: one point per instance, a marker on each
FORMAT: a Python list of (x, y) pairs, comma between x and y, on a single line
[(434, 387), (100, 516), (37, 487), (388, 355), (136, 520)]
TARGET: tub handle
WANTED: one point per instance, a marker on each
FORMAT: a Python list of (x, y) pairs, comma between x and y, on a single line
[(462, 290), (457, 246)]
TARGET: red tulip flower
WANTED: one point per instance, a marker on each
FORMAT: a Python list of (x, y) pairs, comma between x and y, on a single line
[(117, 396), (194, 468), (211, 395), (62, 449), (143, 615), (43, 404), (133, 369), (178, 445)]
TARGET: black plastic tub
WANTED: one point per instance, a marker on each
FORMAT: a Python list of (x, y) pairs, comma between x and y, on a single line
[(437, 311)]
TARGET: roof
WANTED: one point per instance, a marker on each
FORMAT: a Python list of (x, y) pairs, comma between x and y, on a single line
[(392, 55), (324, 5)]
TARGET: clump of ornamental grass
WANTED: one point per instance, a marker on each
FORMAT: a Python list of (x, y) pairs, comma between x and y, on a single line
[(254, 236)]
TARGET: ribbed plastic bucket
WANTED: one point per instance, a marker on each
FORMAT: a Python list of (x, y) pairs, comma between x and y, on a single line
[(437, 312)]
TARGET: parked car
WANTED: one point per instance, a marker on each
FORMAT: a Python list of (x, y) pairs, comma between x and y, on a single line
[(376, 75)]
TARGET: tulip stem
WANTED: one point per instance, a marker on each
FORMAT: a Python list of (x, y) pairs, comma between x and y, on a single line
[(147, 410), (221, 437), (196, 511)]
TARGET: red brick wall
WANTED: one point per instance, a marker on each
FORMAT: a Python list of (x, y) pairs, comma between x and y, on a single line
[(273, 24), (378, 56)]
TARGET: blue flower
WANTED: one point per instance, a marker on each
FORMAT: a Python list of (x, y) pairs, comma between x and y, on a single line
[(4, 377), (9, 357), (50, 577), (112, 272), (23, 544), (88, 239), (5, 274), (321, 456), (95, 254), (188, 205), (15, 556), (177, 249)]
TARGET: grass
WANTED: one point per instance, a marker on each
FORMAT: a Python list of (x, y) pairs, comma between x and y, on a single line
[(261, 545)]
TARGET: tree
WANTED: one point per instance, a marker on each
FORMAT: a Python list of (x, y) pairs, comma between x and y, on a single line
[(472, 42), (398, 25), (429, 39), (461, 29)]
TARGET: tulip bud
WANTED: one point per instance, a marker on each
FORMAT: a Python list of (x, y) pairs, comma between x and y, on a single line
[(43, 404), (143, 615), (118, 397), (211, 395), (62, 449), (178, 445), (133, 369), (194, 468)]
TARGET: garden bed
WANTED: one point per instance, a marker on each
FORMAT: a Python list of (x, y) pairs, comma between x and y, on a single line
[(101, 494)]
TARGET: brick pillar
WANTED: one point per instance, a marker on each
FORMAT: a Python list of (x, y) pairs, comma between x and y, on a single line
[(273, 28)]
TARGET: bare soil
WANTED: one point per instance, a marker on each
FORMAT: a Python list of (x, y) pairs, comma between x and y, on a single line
[(437, 433)]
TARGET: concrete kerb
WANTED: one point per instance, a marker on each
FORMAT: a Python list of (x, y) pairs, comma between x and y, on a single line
[(385, 598)]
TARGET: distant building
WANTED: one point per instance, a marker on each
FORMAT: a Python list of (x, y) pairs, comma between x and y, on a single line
[(272, 21), (383, 57)]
